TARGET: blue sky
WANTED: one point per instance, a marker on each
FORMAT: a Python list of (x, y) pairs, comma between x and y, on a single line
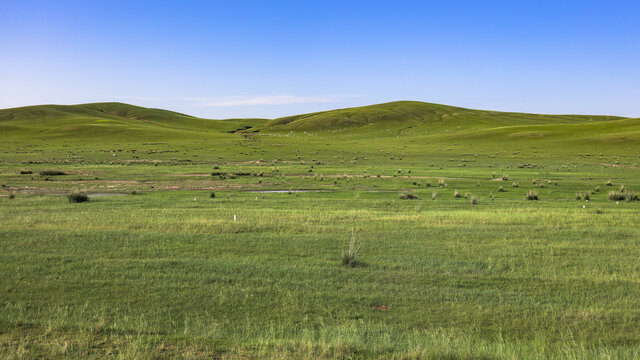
[(237, 58)]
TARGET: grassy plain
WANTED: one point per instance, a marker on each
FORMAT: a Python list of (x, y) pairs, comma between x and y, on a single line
[(168, 273)]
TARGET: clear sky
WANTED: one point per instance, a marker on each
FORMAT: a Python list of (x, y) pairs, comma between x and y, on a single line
[(240, 58)]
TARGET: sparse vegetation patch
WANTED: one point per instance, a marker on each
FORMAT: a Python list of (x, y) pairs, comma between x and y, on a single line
[(77, 197)]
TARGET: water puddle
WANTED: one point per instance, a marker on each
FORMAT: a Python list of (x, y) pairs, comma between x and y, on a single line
[(94, 195), (285, 191)]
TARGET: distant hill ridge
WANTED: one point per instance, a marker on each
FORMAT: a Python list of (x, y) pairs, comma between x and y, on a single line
[(110, 119), (415, 113), (114, 122)]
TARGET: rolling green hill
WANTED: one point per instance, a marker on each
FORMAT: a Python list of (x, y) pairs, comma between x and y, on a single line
[(403, 122), (101, 120), (411, 114)]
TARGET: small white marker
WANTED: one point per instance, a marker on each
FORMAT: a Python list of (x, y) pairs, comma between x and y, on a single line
[(584, 206), (194, 199), (617, 203), (234, 217)]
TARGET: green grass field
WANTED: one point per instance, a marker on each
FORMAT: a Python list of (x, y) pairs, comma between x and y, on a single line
[(159, 269)]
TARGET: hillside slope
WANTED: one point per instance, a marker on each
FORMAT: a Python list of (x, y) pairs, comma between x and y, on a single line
[(100, 120), (411, 114), (390, 124)]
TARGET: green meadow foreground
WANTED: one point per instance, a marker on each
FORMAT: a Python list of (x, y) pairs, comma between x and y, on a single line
[(452, 262)]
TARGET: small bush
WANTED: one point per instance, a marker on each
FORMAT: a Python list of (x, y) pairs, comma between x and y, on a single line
[(474, 200), (456, 194), (12, 196), (500, 189), (52, 172), (578, 196), (609, 183), (597, 188), (434, 195), (599, 211), (587, 196), (77, 197), (441, 183), (531, 195), (515, 184), (26, 172), (212, 195), (505, 178), (408, 195)]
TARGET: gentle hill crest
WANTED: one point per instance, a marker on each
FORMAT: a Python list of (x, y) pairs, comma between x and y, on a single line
[(98, 120), (402, 114), (425, 123), (101, 110)]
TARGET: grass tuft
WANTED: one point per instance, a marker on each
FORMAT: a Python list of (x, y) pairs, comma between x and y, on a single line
[(531, 195), (408, 195), (623, 195), (616, 195), (77, 197), (350, 255)]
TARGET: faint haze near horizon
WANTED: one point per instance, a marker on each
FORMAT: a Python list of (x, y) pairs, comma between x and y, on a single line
[(223, 59)]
